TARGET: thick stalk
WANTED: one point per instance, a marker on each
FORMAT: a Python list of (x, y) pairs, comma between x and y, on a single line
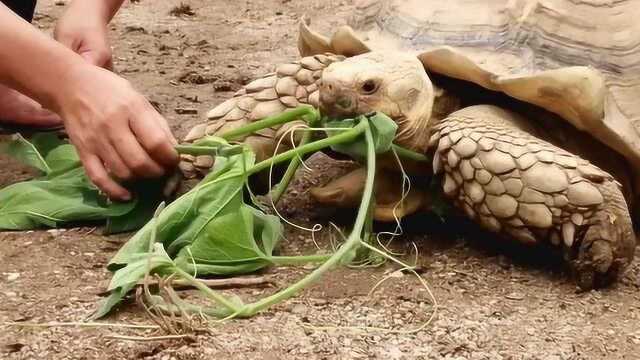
[(353, 241), (348, 135), (409, 154), (196, 150), (299, 260), (279, 119), (205, 289)]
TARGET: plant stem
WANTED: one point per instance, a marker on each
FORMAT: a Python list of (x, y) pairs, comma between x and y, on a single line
[(205, 289), (281, 118), (196, 150), (409, 154), (353, 241), (299, 260), (282, 186), (348, 135)]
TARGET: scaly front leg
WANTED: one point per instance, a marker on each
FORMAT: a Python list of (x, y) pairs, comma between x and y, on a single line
[(291, 85), (515, 184)]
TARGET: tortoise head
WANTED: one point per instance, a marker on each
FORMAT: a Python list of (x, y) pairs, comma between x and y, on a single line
[(394, 84)]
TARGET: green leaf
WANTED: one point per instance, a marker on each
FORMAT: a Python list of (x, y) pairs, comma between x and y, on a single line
[(240, 241), (27, 153), (383, 129), (209, 230), (62, 159), (148, 195), (184, 219), (126, 278), (51, 203)]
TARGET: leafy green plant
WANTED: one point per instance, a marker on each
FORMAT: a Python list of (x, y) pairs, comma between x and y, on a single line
[(210, 230), (60, 195)]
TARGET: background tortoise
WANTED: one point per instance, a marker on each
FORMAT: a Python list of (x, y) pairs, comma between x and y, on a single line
[(530, 145)]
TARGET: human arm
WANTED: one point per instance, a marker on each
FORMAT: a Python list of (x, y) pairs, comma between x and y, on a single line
[(83, 29), (114, 128)]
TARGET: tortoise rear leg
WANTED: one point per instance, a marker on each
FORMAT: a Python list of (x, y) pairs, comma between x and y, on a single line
[(520, 186)]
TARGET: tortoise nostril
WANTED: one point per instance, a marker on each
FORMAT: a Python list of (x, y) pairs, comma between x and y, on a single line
[(344, 102)]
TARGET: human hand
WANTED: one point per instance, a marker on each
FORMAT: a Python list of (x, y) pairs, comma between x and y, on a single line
[(116, 131), (83, 29)]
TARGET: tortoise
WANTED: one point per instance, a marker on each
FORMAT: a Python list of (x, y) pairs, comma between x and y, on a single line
[(529, 109)]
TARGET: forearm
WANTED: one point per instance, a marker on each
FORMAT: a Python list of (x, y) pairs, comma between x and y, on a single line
[(33, 63), (105, 9)]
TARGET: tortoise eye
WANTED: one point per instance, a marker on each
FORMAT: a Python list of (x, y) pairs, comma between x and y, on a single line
[(369, 87)]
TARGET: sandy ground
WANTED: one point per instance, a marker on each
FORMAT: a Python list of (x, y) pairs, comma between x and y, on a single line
[(495, 301)]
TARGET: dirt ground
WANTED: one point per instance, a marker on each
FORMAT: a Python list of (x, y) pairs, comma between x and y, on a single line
[(495, 301)]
